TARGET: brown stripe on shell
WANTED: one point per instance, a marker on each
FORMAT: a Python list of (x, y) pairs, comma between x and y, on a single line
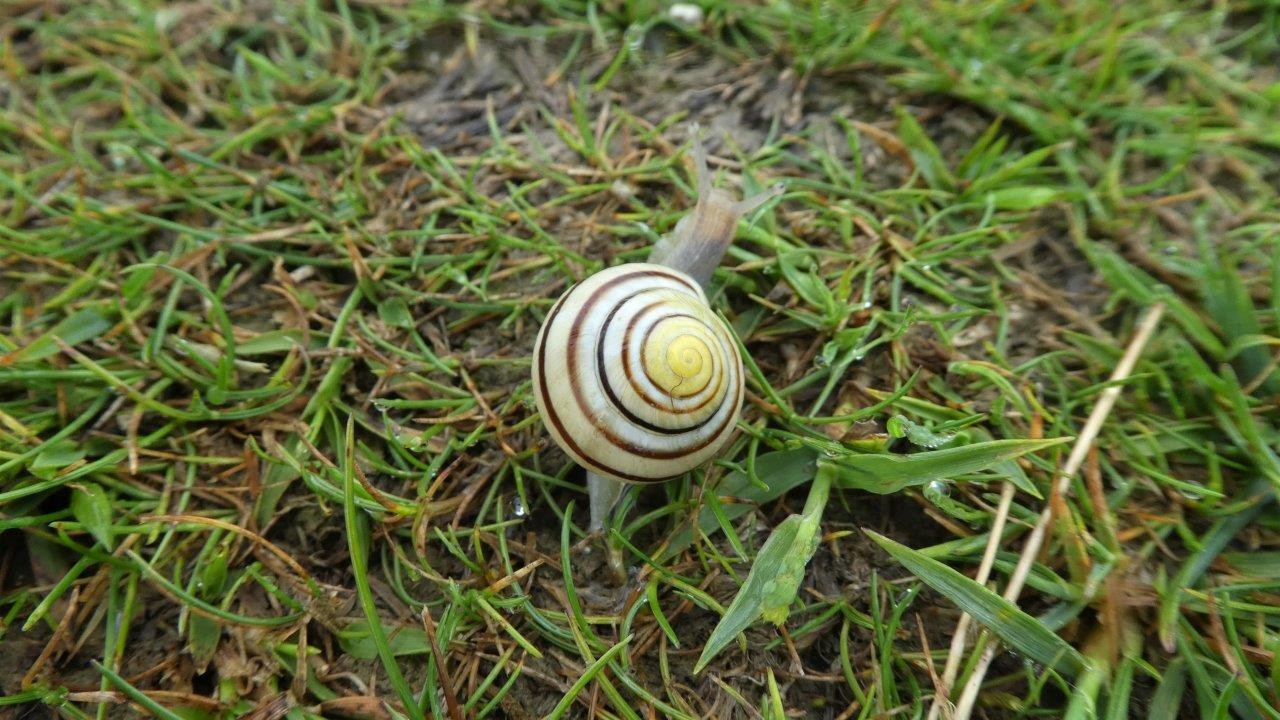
[(575, 333), (554, 418), (626, 371)]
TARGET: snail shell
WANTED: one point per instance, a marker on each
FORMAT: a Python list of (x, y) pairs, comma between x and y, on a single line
[(635, 376)]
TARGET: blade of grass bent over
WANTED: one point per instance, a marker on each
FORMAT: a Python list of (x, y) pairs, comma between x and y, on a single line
[(775, 575), (1016, 628)]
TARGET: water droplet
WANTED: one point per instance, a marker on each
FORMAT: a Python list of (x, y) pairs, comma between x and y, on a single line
[(940, 488), (517, 507), (685, 13)]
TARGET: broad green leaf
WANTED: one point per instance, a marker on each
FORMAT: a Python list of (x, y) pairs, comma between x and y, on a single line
[(92, 509), (84, 325), (771, 585), (1017, 629), (213, 577), (1023, 198), (204, 633), (357, 641), (394, 311), (55, 456), (885, 473), (781, 471), (274, 341)]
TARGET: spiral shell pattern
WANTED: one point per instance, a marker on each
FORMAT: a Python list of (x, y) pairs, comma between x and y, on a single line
[(634, 375)]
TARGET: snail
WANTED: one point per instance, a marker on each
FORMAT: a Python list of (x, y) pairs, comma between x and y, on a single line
[(636, 378)]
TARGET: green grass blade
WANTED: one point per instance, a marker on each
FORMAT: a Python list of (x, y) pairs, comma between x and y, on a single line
[(775, 575), (1211, 546), (1017, 629), (887, 473), (780, 472), (92, 508), (588, 675), (135, 694), (82, 326), (358, 548)]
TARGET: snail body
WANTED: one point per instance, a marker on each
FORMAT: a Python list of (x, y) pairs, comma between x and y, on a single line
[(636, 378)]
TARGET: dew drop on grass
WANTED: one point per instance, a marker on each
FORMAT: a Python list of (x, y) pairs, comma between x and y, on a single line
[(634, 40), (939, 487), (517, 507), (685, 13)]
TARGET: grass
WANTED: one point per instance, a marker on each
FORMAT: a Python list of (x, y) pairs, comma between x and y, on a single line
[(270, 275)]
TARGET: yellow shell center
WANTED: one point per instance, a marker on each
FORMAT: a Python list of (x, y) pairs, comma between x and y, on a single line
[(678, 362)]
